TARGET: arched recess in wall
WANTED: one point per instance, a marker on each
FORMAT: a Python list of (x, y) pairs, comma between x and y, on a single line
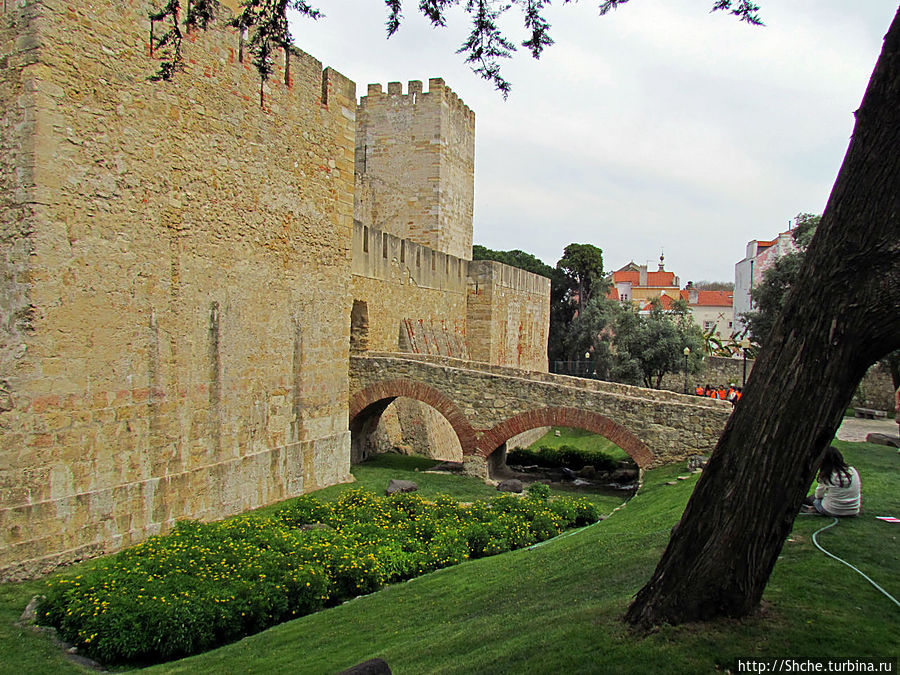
[(359, 327), (492, 439), (368, 407)]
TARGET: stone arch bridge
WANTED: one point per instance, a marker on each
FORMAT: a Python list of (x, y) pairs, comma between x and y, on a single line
[(487, 405)]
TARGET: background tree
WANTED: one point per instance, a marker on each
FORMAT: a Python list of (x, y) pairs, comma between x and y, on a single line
[(653, 345), (839, 317), (582, 265), (891, 364), (592, 332), (515, 258)]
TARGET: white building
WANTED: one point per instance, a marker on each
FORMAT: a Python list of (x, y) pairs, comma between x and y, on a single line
[(761, 255)]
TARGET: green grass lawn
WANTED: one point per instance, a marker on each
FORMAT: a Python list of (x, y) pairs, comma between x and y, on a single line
[(556, 608), (581, 439)]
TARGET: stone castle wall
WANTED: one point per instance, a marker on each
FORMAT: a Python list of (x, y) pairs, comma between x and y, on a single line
[(408, 288), (175, 297), (415, 301), (415, 165), (508, 316), (421, 301)]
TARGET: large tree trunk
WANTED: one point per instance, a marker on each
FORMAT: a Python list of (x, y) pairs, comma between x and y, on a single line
[(841, 315)]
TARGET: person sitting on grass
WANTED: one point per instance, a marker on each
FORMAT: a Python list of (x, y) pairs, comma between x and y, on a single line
[(838, 492)]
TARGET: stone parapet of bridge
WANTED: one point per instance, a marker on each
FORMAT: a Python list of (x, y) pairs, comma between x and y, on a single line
[(486, 405)]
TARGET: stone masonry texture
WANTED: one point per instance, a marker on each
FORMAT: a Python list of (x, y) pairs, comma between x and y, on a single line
[(422, 301), (175, 289)]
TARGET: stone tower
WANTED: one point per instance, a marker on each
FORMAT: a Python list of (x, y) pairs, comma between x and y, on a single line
[(415, 165)]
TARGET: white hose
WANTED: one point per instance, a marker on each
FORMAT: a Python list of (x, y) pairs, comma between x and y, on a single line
[(830, 555)]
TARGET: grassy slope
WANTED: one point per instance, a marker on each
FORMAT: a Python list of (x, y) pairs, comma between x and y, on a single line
[(556, 608), (581, 439)]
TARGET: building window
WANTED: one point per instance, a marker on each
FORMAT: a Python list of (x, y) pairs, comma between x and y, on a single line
[(365, 239), (384, 244)]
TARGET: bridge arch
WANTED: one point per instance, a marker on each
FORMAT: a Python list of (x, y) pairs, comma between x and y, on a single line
[(493, 438), (367, 405)]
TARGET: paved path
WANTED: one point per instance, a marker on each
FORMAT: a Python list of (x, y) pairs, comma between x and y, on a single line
[(856, 429)]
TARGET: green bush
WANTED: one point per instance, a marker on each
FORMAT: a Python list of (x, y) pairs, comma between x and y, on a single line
[(565, 455), (539, 491)]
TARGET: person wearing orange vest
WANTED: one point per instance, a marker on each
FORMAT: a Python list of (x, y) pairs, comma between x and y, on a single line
[(699, 390), (723, 393)]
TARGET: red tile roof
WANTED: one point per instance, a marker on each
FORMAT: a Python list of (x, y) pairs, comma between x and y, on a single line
[(654, 279), (710, 298)]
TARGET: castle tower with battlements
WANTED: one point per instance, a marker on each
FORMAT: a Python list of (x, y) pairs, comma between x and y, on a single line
[(415, 165)]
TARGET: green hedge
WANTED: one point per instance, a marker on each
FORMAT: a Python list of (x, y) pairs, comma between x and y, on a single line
[(565, 455), (206, 584)]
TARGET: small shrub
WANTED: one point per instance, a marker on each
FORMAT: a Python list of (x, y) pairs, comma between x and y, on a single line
[(304, 510), (586, 513), (565, 510), (539, 491), (477, 535)]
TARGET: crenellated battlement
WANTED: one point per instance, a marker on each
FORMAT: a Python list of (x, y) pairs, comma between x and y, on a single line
[(437, 89), (415, 165)]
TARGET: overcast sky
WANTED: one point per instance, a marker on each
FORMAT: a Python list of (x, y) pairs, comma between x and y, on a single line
[(660, 127)]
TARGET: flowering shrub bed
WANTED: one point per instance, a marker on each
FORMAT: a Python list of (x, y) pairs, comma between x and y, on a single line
[(205, 584)]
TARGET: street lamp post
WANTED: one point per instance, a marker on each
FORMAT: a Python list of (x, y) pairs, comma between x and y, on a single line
[(687, 352)]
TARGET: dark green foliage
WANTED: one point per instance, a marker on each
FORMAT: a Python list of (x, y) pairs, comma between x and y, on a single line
[(624, 346), (649, 347), (172, 596), (199, 15), (563, 456), (168, 41), (486, 43), (582, 265), (515, 258), (206, 584)]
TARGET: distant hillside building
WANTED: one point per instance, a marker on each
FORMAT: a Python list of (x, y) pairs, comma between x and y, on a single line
[(761, 255), (635, 283), (710, 309)]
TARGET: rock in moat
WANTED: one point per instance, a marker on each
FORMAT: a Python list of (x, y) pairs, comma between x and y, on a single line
[(510, 485), (395, 485), (623, 476), (587, 471)]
